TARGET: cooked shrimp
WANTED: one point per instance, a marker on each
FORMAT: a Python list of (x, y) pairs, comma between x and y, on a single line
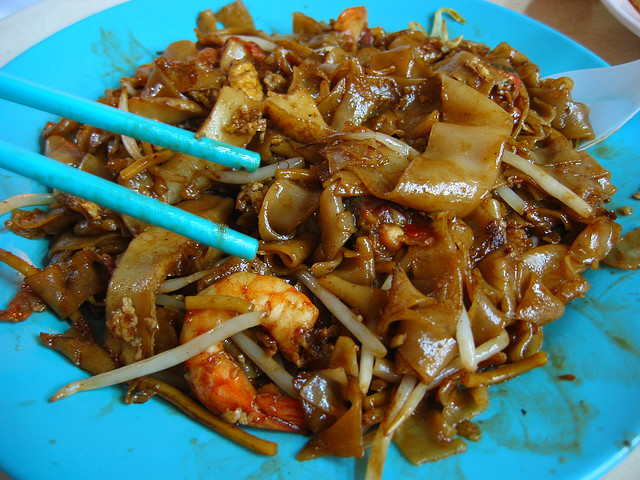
[(352, 21), (217, 380)]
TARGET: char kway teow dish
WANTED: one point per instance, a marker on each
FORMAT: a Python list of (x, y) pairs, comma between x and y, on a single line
[(422, 212)]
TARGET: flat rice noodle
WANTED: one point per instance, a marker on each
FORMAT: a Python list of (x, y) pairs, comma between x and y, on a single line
[(544, 112), (342, 439), (338, 224), (368, 301), (461, 162), (173, 111), (131, 297), (321, 268), (110, 242), (470, 69), (438, 267), (536, 128), (576, 123), (571, 118), (460, 405), (456, 171), (305, 77), (235, 15), (464, 105), (626, 252), (321, 397), (190, 169), (403, 298), (291, 253), (176, 77), (486, 319), (294, 48), (538, 305), (405, 60), (377, 166), (489, 228), (95, 219), (422, 109), (453, 174), (90, 139), (328, 100), (234, 51), (576, 170), (556, 280), (345, 355), (182, 50), (560, 277), (594, 243), (285, 206), (196, 73), (160, 83), (66, 287), (180, 177), (96, 166), (528, 71), (235, 118), (363, 98), (37, 223), (543, 221), (503, 271), (546, 262), (428, 343), (526, 339), (297, 115), (62, 150), (307, 26), (80, 346), (206, 22), (358, 266), (427, 328), (425, 437)]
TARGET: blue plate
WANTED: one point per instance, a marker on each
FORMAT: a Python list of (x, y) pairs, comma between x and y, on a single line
[(538, 426)]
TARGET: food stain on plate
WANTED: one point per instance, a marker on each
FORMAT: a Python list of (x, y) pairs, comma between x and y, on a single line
[(121, 57), (607, 151), (109, 407), (517, 429), (272, 468), (595, 307)]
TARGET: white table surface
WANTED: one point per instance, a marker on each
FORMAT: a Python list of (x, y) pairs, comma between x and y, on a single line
[(586, 21)]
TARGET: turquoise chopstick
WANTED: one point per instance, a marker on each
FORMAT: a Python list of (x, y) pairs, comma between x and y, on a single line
[(116, 197), (102, 116)]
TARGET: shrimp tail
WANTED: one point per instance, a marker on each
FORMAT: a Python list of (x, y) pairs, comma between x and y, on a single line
[(219, 384), (281, 413)]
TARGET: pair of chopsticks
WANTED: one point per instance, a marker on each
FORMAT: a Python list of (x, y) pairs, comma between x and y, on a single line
[(111, 195)]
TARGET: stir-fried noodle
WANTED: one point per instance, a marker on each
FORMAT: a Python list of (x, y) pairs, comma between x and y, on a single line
[(422, 213)]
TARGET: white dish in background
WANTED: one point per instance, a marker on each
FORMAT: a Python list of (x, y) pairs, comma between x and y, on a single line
[(625, 12)]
